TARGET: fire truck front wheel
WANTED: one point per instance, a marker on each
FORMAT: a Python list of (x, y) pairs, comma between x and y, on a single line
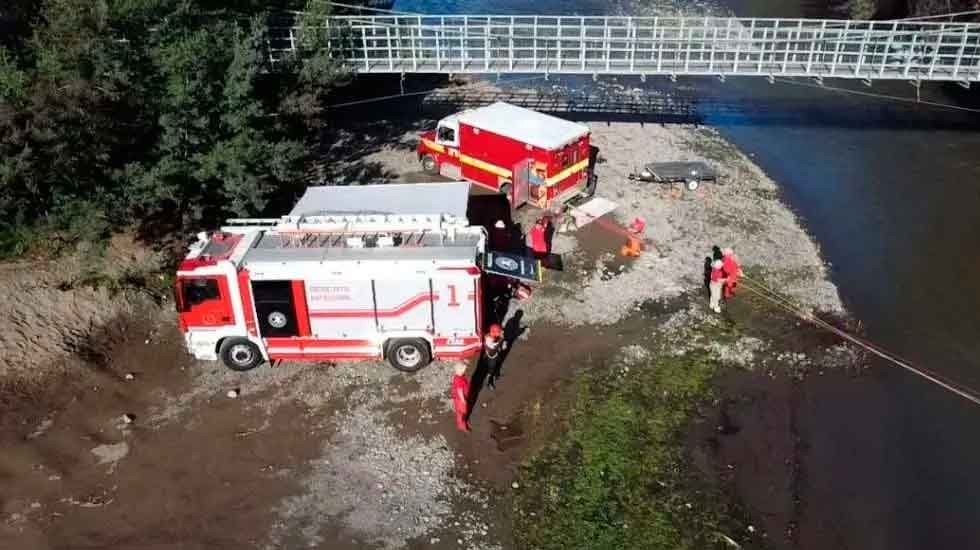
[(429, 164), (408, 355), (240, 354)]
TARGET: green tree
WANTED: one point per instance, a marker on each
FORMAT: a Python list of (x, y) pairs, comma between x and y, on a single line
[(115, 110)]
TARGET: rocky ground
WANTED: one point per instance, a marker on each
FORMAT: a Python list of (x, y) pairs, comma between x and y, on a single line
[(357, 455)]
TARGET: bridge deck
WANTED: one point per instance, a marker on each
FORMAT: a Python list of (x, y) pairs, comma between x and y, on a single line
[(897, 50)]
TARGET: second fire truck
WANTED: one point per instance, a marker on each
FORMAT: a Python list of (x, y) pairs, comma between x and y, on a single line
[(533, 158)]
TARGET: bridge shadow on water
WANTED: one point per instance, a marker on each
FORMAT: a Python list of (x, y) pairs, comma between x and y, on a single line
[(737, 102)]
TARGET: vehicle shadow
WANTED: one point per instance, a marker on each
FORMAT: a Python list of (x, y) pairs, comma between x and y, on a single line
[(513, 329)]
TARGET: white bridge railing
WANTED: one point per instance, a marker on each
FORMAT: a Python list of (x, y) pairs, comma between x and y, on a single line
[(671, 46)]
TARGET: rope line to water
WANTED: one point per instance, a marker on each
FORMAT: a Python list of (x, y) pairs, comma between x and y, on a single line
[(936, 378), (879, 96), (768, 294), (938, 16), (787, 304)]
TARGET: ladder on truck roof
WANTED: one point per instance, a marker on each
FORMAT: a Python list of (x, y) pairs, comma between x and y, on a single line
[(383, 239), (359, 231), (349, 223)]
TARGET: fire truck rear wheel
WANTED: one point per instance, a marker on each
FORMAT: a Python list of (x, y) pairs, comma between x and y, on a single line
[(408, 355), (240, 354), (430, 165)]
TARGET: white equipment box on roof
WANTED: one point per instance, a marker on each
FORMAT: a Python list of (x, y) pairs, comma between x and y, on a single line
[(538, 129), (393, 198)]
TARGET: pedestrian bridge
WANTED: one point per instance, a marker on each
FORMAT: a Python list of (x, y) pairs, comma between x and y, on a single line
[(644, 46)]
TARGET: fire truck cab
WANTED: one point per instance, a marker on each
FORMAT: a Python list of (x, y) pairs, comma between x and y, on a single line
[(361, 272), (533, 158)]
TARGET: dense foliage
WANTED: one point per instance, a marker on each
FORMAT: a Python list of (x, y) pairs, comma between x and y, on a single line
[(119, 112)]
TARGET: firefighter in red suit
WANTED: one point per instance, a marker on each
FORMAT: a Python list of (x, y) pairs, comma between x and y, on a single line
[(461, 395), (493, 345), (731, 270), (539, 243)]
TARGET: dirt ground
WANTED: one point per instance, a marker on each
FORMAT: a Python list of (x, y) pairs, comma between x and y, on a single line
[(359, 456)]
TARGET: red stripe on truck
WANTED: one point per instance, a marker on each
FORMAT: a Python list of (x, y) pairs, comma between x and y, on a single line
[(394, 312), (245, 292), (299, 302), (322, 356), (316, 343)]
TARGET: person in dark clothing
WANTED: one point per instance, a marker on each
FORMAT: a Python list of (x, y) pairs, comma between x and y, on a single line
[(493, 347)]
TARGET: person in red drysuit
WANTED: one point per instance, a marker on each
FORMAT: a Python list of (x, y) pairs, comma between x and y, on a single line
[(732, 271), (539, 243), (461, 394)]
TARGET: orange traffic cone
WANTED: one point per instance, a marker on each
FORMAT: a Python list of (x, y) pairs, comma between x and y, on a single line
[(632, 248)]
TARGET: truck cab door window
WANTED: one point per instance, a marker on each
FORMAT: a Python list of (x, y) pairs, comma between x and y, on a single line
[(198, 291), (446, 135), (204, 301)]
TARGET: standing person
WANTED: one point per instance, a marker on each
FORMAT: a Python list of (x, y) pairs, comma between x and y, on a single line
[(539, 244), (493, 345), (716, 281), (732, 271), (461, 395), (568, 223)]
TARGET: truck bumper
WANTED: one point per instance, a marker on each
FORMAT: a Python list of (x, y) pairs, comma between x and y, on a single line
[(202, 345)]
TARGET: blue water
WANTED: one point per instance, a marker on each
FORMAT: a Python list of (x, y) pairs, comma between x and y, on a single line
[(891, 193)]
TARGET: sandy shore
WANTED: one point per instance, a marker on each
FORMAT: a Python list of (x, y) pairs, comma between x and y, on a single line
[(355, 455)]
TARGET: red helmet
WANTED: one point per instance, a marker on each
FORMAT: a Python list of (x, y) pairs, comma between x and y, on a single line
[(495, 330)]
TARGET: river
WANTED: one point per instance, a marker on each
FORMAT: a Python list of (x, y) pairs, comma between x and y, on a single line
[(891, 193)]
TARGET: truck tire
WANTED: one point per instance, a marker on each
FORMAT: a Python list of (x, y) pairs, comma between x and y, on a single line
[(408, 354), (240, 354), (429, 164), (692, 184)]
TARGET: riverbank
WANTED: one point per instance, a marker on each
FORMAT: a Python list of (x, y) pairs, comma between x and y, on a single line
[(604, 340)]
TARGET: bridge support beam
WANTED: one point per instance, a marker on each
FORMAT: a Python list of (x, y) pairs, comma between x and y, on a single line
[(917, 84)]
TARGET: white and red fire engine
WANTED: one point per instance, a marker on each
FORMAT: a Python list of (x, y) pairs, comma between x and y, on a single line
[(365, 272), (532, 157)]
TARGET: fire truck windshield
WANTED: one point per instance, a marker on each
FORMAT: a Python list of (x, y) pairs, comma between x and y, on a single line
[(196, 291)]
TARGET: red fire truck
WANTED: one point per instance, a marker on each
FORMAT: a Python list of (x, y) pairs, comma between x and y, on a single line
[(364, 272), (531, 157)]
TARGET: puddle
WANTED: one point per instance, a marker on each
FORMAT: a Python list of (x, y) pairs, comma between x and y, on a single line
[(601, 241)]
